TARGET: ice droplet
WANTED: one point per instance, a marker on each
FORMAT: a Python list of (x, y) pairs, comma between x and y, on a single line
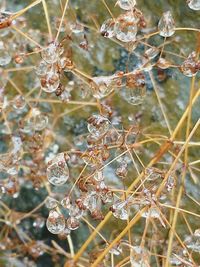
[(194, 4), (126, 27), (126, 4), (98, 126), (5, 57), (166, 25), (57, 171), (55, 222), (50, 54), (107, 28)]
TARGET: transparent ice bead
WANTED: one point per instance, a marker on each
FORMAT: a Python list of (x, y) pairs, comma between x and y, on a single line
[(19, 102), (166, 25), (38, 122), (98, 126), (5, 57), (55, 222), (57, 171), (107, 28), (42, 68), (51, 203), (139, 257), (126, 27), (73, 223), (126, 4), (102, 86), (134, 95), (50, 82), (194, 4), (50, 54), (190, 66)]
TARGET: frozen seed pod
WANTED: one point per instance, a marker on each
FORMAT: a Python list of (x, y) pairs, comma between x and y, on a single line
[(126, 27), (107, 28), (5, 57), (55, 222), (98, 126), (57, 171), (166, 25), (194, 4), (126, 4)]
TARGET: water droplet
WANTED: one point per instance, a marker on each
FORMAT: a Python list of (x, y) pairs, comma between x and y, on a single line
[(166, 25), (5, 57), (55, 222), (57, 171), (194, 4), (126, 4), (126, 27), (98, 126), (107, 28)]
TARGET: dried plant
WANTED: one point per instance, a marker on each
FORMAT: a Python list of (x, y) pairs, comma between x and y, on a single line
[(99, 135)]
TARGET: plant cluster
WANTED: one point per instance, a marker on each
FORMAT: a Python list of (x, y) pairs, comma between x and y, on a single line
[(81, 138)]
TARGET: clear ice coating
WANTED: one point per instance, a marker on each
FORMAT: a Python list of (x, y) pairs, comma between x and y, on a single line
[(193, 241), (51, 81), (126, 4), (38, 121), (166, 25), (126, 27), (57, 171), (55, 222), (134, 91), (19, 102), (51, 203), (50, 54), (5, 57), (139, 257), (107, 28), (194, 4), (135, 95), (191, 65), (98, 126), (103, 86), (72, 223)]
